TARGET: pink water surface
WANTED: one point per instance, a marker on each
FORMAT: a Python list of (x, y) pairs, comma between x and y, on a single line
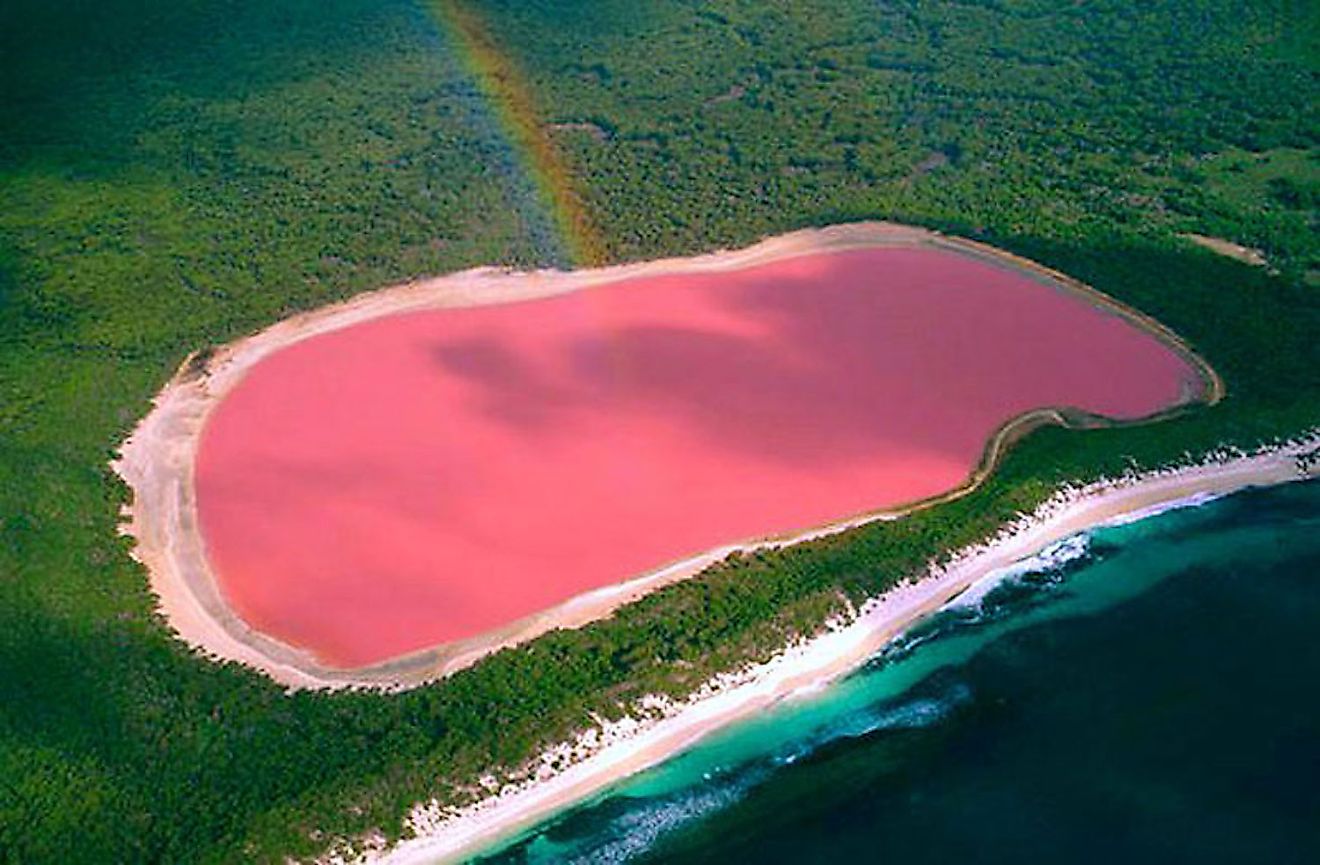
[(427, 477)]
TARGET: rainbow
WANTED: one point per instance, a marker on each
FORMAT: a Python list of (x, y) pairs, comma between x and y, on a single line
[(505, 88)]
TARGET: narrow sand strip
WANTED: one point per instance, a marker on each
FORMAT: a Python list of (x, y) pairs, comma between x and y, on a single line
[(628, 748), (157, 461), (1244, 254)]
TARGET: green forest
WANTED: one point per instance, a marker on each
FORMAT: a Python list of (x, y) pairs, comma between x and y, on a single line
[(176, 175)]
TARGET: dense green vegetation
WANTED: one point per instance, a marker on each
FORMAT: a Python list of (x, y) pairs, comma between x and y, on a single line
[(735, 119), (177, 174)]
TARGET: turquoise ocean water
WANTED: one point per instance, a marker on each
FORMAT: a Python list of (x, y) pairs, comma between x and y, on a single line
[(1149, 694)]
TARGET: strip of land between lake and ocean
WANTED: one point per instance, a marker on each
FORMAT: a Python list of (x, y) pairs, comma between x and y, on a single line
[(660, 729), (158, 461)]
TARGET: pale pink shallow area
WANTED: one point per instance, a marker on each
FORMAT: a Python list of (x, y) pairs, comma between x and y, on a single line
[(426, 477)]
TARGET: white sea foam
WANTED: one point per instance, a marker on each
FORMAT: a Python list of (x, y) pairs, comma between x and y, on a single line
[(913, 714), (1057, 555), (637, 829)]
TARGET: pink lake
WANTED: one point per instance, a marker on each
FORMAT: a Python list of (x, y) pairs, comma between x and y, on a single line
[(427, 477)]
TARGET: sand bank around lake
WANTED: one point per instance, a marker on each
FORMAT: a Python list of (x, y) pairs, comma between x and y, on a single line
[(615, 751), (158, 460)]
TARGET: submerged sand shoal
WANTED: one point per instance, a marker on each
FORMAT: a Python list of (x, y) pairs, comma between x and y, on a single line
[(160, 460)]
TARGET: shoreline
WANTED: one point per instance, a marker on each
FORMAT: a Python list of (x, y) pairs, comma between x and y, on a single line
[(605, 756), (157, 460)]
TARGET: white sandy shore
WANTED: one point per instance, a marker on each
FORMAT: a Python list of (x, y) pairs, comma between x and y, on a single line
[(600, 757), (157, 460)]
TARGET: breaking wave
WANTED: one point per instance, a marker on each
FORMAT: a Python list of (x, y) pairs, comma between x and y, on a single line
[(1022, 585)]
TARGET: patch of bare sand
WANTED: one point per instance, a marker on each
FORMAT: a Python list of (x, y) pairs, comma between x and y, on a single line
[(1245, 254)]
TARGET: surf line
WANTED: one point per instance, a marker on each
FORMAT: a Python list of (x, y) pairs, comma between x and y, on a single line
[(506, 89)]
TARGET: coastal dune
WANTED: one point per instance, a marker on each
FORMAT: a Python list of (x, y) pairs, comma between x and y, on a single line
[(382, 491)]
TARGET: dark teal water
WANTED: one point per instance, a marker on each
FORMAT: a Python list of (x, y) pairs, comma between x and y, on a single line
[(1154, 699)]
